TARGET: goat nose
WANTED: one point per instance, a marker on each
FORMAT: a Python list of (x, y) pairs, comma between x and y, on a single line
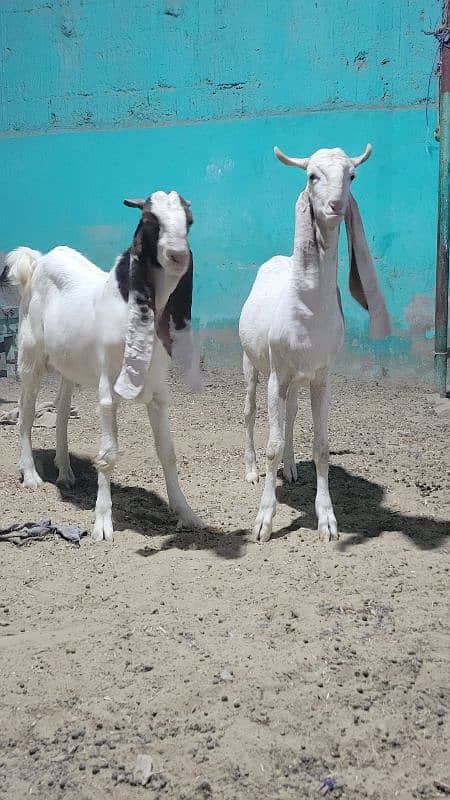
[(336, 206)]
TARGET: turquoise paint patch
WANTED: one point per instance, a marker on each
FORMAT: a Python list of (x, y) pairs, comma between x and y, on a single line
[(76, 64), (123, 98), (71, 187)]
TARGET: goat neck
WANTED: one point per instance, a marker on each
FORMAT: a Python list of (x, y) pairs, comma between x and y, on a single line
[(315, 251)]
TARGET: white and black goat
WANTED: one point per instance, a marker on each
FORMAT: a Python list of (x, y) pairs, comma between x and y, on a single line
[(291, 326), (112, 331)]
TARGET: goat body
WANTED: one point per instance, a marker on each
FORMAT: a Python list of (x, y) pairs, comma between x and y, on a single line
[(77, 316), (112, 331), (291, 327), (304, 331)]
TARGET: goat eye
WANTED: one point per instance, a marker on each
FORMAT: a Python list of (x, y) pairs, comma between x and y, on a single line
[(313, 177), (352, 177)]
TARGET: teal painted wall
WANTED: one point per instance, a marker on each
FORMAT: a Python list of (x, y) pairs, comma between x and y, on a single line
[(103, 99)]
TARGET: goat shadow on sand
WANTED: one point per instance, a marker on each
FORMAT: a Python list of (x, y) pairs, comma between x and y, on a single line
[(139, 509), (358, 505), (359, 509)]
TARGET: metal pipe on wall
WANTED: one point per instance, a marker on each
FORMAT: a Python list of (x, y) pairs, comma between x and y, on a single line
[(442, 263)]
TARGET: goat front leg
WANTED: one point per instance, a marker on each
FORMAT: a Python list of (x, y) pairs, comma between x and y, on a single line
[(320, 401), (62, 459), (289, 465), (30, 376), (251, 379), (107, 457), (276, 394), (159, 420)]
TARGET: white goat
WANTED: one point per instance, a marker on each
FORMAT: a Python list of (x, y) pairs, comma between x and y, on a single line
[(110, 331), (291, 326)]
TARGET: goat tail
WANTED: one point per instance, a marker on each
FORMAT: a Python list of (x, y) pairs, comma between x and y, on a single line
[(20, 265)]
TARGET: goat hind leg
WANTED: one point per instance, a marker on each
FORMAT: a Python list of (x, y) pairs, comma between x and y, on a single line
[(320, 397), (62, 459), (29, 390), (159, 421), (289, 465), (251, 379)]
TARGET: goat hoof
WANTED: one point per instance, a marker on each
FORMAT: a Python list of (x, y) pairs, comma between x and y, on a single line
[(190, 520), (66, 480), (262, 531), (103, 529), (31, 480), (290, 471), (252, 476), (327, 529)]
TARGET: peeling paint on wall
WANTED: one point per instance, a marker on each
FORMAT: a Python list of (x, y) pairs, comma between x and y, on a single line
[(69, 65)]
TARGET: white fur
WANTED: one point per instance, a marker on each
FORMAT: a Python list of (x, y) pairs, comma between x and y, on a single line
[(21, 264), (291, 328), (74, 320), (172, 218)]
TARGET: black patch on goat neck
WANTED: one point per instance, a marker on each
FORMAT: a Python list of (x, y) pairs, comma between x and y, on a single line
[(135, 276), (142, 285), (123, 274), (134, 270)]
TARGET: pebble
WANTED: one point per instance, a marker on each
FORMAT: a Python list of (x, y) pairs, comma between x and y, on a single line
[(143, 769), (205, 787), (443, 787), (78, 733), (226, 676)]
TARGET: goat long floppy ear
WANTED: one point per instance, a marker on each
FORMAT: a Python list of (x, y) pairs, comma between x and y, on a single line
[(140, 334), (175, 330), (363, 281)]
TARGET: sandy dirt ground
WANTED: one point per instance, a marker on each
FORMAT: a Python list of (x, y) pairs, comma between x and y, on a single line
[(242, 670)]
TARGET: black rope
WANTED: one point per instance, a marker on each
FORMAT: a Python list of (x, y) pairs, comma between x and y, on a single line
[(442, 35)]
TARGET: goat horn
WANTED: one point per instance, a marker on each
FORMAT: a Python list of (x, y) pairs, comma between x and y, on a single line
[(363, 157), (134, 203), (291, 162)]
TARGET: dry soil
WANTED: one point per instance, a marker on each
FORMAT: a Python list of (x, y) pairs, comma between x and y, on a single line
[(242, 670)]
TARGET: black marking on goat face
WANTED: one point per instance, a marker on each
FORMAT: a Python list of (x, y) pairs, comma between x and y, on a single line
[(187, 211), (135, 268), (146, 235)]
